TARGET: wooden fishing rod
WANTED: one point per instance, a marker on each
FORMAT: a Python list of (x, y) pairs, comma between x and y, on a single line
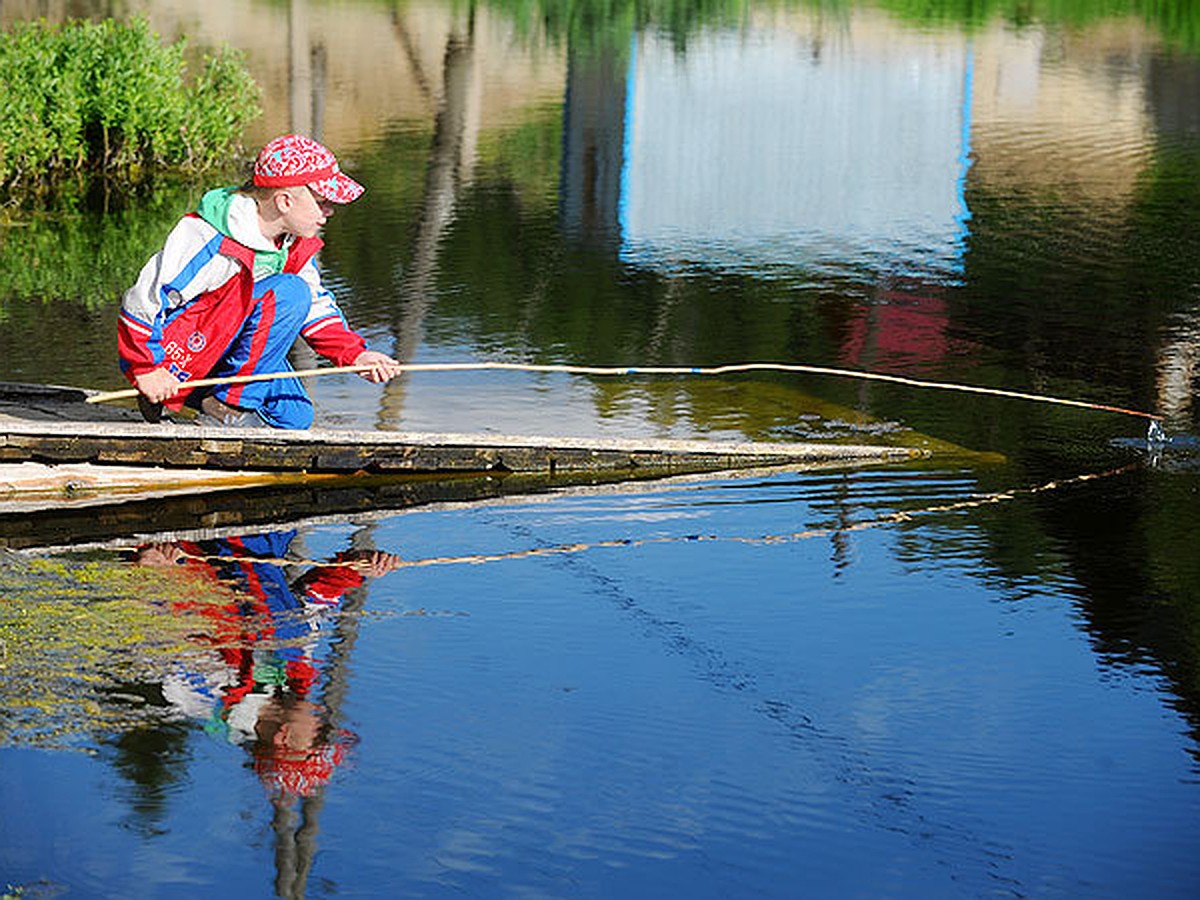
[(402, 368), (130, 393)]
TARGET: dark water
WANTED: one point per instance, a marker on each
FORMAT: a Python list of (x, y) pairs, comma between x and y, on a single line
[(974, 675)]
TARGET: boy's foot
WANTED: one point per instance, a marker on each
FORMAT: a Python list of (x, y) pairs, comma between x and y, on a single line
[(217, 412)]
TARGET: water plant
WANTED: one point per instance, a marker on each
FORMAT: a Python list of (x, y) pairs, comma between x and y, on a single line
[(73, 630), (111, 97)]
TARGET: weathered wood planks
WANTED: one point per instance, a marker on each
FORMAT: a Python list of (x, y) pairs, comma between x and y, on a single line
[(328, 451)]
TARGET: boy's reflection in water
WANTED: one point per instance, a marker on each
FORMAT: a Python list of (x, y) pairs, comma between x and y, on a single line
[(261, 685)]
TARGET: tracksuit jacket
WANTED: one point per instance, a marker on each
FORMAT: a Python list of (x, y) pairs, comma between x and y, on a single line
[(207, 272)]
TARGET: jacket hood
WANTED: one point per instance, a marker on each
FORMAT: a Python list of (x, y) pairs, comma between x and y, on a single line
[(235, 215)]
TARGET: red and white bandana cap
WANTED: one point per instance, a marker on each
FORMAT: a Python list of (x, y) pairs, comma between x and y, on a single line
[(293, 160)]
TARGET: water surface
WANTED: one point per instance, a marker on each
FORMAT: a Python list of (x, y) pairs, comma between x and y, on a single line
[(972, 675)]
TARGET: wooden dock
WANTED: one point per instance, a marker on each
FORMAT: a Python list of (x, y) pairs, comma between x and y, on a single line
[(325, 451), (56, 464), (62, 482)]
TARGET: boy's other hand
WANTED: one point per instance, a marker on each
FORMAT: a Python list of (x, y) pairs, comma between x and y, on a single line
[(157, 385)]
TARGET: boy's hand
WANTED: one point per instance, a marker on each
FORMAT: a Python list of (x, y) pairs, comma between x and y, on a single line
[(383, 367), (157, 385)]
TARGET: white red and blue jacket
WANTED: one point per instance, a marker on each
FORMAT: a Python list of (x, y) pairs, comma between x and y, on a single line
[(198, 259)]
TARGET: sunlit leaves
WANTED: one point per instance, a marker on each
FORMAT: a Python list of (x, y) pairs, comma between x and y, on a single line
[(111, 97)]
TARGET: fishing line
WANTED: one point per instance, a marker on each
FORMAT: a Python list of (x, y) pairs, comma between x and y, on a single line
[(774, 367), (562, 368)]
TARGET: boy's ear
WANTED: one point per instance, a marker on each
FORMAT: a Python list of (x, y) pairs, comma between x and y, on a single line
[(283, 200)]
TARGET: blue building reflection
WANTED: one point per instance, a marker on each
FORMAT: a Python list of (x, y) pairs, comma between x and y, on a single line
[(775, 154)]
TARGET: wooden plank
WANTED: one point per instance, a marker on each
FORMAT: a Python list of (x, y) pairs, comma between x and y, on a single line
[(27, 486), (336, 451), (87, 512)]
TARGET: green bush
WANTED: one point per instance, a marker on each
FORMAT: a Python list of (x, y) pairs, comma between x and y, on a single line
[(110, 97)]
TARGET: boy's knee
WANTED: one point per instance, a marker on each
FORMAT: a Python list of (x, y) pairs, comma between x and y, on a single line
[(293, 296)]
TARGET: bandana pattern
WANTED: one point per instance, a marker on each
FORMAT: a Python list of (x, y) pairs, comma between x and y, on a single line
[(300, 773), (294, 160)]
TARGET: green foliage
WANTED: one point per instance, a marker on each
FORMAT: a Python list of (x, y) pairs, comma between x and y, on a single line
[(109, 96), (1176, 21), (85, 252), (611, 23)]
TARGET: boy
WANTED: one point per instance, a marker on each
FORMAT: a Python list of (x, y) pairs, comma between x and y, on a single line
[(234, 285)]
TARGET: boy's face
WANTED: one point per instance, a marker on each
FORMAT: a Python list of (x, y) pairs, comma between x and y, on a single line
[(304, 211)]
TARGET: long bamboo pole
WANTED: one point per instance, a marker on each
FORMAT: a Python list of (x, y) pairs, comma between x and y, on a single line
[(646, 370), (130, 393)]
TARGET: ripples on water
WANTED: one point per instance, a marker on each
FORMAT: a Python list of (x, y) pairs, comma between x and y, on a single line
[(705, 685), (621, 706)]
